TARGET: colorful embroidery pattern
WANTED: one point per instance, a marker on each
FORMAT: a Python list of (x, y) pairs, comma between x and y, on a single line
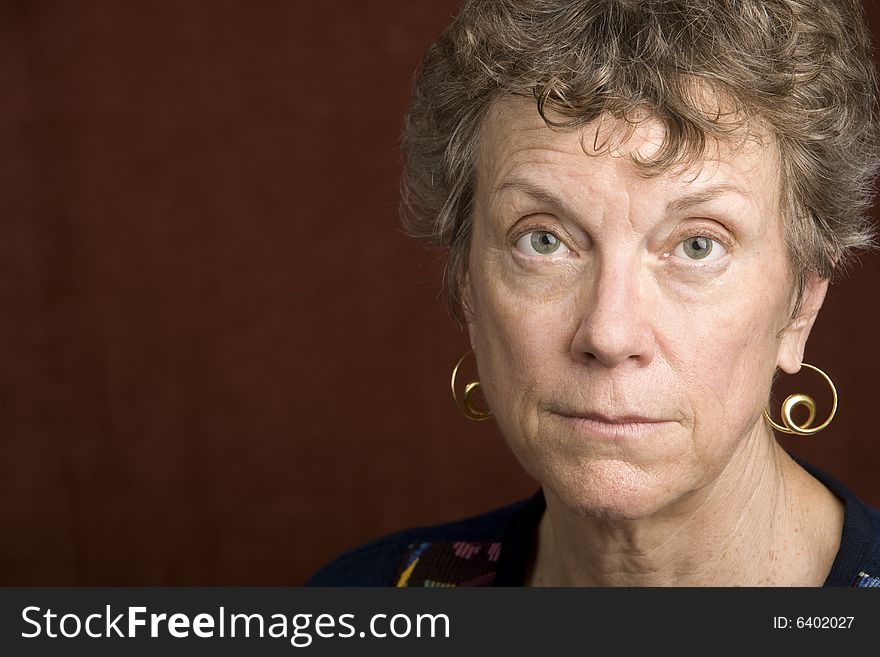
[(448, 563), (866, 581)]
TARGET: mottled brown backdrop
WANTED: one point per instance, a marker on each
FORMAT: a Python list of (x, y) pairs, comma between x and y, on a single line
[(222, 363)]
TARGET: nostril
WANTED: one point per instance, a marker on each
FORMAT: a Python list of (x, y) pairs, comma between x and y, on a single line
[(610, 343)]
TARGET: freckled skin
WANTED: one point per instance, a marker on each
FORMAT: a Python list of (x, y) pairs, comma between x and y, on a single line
[(618, 321)]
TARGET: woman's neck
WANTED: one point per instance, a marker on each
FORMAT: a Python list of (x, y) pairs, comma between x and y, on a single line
[(763, 522)]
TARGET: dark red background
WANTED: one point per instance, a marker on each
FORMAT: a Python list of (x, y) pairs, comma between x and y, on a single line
[(222, 361)]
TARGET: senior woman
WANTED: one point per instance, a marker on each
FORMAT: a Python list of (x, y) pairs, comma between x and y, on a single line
[(643, 202)]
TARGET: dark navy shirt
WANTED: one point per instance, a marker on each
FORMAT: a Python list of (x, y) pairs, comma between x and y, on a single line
[(494, 549)]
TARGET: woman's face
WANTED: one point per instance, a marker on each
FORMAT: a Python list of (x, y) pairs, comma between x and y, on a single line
[(627, 329)]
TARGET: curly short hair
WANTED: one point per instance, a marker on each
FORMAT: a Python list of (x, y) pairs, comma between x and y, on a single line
[(801, 69)]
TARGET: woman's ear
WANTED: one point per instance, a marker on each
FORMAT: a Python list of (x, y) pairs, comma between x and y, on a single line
[(794, 338), (466, 299)]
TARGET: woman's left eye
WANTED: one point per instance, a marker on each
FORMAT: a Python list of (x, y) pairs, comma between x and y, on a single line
[(541, 242), (699, 247)]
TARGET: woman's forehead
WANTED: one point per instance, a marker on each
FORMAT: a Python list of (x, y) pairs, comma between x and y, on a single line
[(517, 146)]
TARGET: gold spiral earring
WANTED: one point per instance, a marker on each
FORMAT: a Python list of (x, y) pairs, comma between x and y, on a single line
[(466, 404), (804, 429)]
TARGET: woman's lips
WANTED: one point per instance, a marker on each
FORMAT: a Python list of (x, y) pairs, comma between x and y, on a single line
[(614, 426)]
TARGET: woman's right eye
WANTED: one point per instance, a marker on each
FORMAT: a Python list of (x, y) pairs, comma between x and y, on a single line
[(540, 242)]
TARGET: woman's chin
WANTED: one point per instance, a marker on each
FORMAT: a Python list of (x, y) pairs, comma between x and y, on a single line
[(610, 490)]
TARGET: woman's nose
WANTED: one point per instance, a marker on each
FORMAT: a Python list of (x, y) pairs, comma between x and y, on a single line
[(616, 318)]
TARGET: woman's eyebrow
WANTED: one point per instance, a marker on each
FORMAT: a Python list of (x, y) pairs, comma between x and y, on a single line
[(704, 196), (530, 189)]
